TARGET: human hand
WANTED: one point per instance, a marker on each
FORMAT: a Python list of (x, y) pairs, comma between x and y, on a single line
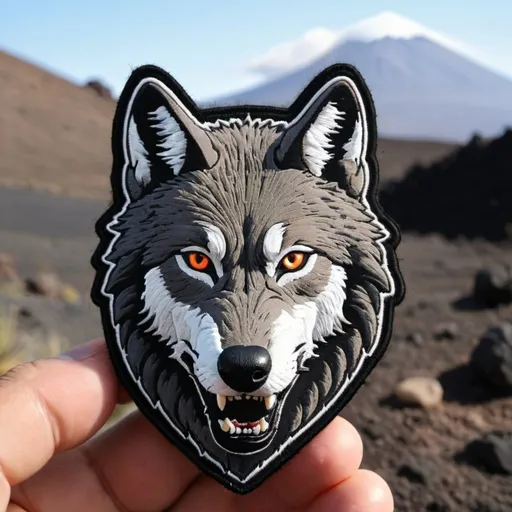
[(49, 410)]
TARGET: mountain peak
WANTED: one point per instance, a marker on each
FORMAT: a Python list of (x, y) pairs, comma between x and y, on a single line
[(422, 86), (385, 24), (319, 41)]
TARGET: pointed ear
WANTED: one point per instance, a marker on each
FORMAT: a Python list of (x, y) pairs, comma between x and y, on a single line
[(328, 137), (161, 136)]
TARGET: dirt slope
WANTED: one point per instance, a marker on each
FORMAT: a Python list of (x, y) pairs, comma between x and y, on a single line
[(56, 135)]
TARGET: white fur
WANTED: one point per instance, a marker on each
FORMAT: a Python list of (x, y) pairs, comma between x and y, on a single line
[(316, 140), (174, 141), (330, 304), (173, 322), (288, 332), (308, 324), (272, 244), (354, 147), (138, 154), (216, 241)]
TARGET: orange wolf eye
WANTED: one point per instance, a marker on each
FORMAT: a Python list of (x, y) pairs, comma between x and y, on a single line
[(198, 261), (293, 260)]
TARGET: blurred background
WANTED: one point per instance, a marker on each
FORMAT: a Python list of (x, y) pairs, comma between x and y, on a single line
[(436, 414)]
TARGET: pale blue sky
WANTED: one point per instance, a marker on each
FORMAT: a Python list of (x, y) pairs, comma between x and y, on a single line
[(207, 44)]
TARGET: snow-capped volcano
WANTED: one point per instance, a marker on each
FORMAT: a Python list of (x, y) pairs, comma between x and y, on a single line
[(425, 85), (316, 42)]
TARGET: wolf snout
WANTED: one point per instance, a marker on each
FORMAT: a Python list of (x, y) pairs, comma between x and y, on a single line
[(244, 368)]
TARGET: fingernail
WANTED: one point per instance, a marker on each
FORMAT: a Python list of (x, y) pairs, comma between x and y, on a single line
[(84, 351)]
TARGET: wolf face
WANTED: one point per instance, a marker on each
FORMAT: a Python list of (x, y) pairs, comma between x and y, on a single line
[(245, 274)]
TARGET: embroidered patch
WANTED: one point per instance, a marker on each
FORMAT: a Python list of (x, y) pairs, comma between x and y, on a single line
[(246, 274)]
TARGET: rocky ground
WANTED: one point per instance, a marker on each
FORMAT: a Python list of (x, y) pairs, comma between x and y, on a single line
[(420, 450)]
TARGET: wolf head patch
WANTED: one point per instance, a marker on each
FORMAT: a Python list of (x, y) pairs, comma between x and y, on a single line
[(246, 275)]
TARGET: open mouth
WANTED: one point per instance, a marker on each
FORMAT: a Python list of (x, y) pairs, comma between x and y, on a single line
[(245, 415)]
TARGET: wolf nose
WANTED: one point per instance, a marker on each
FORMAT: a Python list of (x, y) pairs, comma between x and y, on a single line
[(244, 369)]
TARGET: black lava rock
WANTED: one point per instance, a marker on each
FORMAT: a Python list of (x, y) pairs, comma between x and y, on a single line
[(493, 285), (418, 471), (492, 453), (491, 359)]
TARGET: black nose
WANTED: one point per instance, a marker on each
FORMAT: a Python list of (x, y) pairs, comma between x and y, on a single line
[(244, 369)]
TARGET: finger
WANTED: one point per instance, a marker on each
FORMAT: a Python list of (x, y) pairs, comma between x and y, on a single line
[(52, 405), (330, 458), (142, 469), (364, 492), (129, 467)]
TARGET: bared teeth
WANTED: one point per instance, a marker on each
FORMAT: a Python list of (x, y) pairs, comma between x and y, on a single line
[(221, 402), (227, 426), (270, 401)]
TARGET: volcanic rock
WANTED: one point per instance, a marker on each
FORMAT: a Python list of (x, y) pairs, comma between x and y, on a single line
[(418, 470), (492, 452), (493, 285), (492, 357)]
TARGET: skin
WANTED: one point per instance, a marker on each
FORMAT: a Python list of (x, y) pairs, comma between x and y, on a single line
[(49, 409)]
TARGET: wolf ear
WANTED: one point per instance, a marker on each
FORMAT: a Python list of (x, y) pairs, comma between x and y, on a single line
[(328, 137), (162, 138)]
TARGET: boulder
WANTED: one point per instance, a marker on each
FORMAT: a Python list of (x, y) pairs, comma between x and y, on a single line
[(493, 285), (491, 359), (492, 452)]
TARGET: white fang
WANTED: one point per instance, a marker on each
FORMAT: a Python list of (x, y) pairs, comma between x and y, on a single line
[(174, 142), (316, 140), (138, 154)]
